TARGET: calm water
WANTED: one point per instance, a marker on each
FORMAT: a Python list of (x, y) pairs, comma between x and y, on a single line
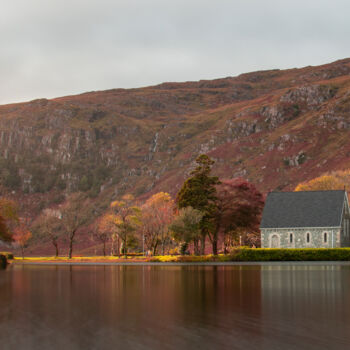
[(175, 307)]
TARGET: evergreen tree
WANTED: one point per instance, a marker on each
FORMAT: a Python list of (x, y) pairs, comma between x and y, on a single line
[(199, 192)]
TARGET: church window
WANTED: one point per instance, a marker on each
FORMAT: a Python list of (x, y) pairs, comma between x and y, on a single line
[(308, 237)]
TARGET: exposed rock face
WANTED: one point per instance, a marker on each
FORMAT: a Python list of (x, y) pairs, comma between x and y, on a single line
[(274, 128)]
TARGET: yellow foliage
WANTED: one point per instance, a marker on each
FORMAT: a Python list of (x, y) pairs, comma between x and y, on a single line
[(322, 183), (159, 198), (117, 204)]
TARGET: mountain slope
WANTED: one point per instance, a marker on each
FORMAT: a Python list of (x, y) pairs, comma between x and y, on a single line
[(275, 128)]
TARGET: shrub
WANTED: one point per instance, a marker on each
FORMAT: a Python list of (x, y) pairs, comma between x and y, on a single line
[(8, 255), (3, 261), (305, 254)]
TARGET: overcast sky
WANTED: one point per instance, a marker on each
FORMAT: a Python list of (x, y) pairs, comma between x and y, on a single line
[(52, 48)]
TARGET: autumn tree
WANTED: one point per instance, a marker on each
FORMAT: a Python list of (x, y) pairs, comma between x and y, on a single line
[(5, 234), (322, 183), (48, 227), (239, 208), (126, 218), (107, 223), (199, 192), (102, 231), (186, 228), (156, 215), (21, 236), (76, 213), (8, 218)]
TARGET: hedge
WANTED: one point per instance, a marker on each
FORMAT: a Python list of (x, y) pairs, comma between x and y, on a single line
[(264, 254), (305, 254)]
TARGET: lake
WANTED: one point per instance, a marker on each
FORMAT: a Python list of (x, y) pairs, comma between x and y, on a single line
[(251, 306)]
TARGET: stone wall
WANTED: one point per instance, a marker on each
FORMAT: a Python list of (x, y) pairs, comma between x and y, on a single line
[(281, 238)]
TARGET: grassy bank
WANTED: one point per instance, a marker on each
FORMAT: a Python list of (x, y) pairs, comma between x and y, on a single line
[(244, 255)]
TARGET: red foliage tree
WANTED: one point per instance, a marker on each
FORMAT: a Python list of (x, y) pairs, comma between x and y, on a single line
[(239, 208), (4, 232)]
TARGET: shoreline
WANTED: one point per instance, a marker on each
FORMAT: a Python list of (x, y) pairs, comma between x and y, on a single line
[(211, 263)]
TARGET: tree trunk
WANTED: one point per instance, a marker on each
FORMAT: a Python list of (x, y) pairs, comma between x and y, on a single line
[(155, 248), (71, 241), (125, 249), (113, 246), (55, 244), (196, 246), (22, 248), (70, 252), (118, 246), (215, 243), (203, 237), (104, 248)]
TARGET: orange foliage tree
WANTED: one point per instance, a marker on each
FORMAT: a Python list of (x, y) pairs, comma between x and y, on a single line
[(21, 237), (102, 231), (157, 215)]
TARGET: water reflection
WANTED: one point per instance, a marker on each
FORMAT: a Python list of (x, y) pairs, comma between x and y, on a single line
[(168, 307)]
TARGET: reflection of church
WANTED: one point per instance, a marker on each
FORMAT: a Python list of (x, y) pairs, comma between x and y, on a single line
[(305, 305), (306, 219)]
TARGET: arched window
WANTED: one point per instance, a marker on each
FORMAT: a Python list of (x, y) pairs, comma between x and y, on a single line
[(291, 238), (325, 237), (308, 237)]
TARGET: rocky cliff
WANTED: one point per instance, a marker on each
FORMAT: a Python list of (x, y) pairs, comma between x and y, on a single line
[(275, 128)]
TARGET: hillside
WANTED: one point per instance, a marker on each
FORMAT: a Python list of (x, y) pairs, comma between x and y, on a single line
[(275, 128)]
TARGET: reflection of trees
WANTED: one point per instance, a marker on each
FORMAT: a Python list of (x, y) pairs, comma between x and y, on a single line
[(214, 293)]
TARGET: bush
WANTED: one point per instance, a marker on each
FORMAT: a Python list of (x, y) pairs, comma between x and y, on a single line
[(265, 254), (3, 261), (305, 254), (8, 255)]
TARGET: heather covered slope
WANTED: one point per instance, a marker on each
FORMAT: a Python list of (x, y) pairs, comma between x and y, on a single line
[(275, 128)]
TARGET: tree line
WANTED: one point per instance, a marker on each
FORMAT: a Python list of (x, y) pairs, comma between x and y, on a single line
[(207, 214)]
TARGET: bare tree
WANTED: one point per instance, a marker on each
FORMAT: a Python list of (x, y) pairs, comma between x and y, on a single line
[(76, 213)]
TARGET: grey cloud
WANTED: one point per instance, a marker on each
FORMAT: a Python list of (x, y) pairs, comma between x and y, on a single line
[(53, 48)]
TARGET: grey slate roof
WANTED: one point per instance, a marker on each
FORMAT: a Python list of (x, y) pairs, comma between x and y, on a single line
[(303, 209)]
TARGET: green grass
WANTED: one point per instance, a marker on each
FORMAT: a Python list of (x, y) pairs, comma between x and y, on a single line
[(239, 254)]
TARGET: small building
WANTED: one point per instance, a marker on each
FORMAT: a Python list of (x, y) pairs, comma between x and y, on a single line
[(306, 219)]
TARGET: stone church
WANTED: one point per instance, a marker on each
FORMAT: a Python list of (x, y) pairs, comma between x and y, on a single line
[(306, 219)]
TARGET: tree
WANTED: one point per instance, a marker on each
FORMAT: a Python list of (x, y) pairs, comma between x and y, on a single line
[(126, 218), (199, 192), (49, 227), (21, 237), (108, 223), (76, 213), (5, 235), (102, 232), (157, 214), (322, 183), (8, 218), (239, 208), (186, 227)]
